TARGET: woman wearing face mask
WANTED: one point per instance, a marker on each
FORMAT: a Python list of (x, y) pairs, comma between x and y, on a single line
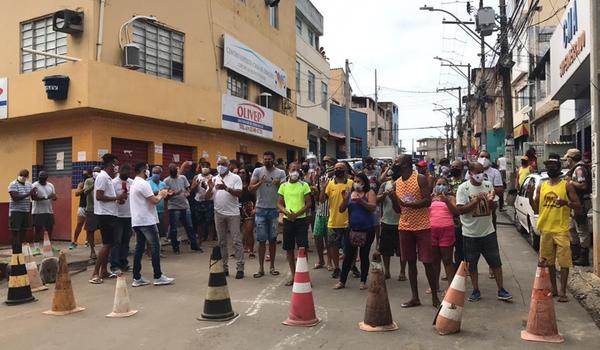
[(361, 203), (441, 214), (247, 211)]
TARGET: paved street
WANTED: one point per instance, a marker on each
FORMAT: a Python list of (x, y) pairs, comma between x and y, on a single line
[(167, 316)]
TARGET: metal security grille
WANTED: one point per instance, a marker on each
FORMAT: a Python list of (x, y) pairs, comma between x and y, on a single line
[(58, 156), (161, 50), (39, 35), (129, 151), (237, 85)]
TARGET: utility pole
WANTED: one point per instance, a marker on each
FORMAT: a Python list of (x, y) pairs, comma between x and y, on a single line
[(595, 106), (459, 89), (483, 93), (469, 124), (348, 102), (505, 63), (376, 136)]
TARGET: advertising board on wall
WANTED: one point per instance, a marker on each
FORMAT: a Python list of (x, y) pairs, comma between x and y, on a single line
[(244, 116)]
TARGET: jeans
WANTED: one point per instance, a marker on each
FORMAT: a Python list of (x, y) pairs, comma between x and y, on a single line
[(227, 226), (206, 216), (185, 217), (350, 256), (143, 234), (120, 247), (162, 226), (266, 224)]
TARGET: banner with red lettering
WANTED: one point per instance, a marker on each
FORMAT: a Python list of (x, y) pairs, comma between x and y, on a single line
[(244, 116)]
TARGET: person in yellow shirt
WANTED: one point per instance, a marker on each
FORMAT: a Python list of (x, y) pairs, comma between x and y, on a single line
[(554, 200), (524, 171), (337, 224)]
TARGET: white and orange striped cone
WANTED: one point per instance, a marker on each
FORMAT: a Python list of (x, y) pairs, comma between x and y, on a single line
[(32, 270), (121, 306), (449, 315), (302, 307), (47, 247)]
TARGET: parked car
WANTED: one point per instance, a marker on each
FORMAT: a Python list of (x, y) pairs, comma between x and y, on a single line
[(525, 219)]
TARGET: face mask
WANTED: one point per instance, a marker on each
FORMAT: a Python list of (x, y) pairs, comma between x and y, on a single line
[(42, 180), (441, 189), (222, 169), (554, 173), (390, 173), (86, 175), (305, 169), (124, 177), (477, 177), (455, 172), (155, 177), (173, 172), (485, 162), (294, 176), (116, 168), (339, 173), (205, 171), (358, 187), (95, 175)]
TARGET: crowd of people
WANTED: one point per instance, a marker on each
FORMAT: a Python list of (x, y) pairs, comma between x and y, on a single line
[(416, 212)]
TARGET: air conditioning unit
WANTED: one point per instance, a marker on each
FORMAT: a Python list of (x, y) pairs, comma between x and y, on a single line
[(131, 56), (272, 3), (67, 21)]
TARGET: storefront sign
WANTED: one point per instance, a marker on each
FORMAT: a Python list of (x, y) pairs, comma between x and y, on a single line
[(247, 117), (247, 62), (3, 98), (570, 49)]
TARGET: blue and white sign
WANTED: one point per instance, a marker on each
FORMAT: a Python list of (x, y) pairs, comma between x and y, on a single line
[(249, 63), (244, 116), (3, 98)]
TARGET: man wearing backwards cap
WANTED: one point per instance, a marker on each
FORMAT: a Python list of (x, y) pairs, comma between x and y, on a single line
[(523, 172)]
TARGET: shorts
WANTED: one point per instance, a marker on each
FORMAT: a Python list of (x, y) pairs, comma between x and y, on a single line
[(389, 242), (295, 233), (486, 246), (443, 237), (556, 245), (43, 221), (320, 226), (377, 216), (334, 237), (91, 222), (19, 221), (265, 220), (108, 226), (416, 243), (81, 212)]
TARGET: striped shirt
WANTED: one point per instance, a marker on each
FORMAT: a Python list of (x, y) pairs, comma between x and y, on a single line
[(323, 208), (22, 205)]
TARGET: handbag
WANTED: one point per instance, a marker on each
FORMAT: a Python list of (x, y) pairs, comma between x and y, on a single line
[(358, 238)]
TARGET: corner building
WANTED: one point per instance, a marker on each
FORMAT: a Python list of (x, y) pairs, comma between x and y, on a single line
[(202, 78)]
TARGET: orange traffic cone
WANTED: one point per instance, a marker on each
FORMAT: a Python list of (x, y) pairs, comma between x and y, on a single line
[(32, 270), (302, 307), (449, 316), (121, 305), (63, 302), (47, 247), (378, 314), (541, 323)]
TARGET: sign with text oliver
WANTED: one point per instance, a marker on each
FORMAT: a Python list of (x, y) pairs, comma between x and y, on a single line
[(244, 116)]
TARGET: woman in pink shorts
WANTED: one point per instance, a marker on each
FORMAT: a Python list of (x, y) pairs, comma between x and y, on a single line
[(441, 213)]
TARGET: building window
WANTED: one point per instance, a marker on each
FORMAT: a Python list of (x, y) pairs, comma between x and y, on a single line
[(237, 85), (274, 16), (161, 50), (299, 26), (324, 97), (311, 37), (522, 98), (38, 35), (311, 86), (298, 77)]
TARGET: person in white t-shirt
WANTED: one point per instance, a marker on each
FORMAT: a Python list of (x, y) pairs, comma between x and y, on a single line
[(120, 247), (42, 215), (106, 211), (144, 219), (227, 189)]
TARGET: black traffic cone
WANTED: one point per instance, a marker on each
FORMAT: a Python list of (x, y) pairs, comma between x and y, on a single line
[(378, 314), (217, 305), (19, 290)]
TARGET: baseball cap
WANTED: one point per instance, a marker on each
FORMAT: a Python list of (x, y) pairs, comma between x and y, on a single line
[(572, 153), (422, 164)]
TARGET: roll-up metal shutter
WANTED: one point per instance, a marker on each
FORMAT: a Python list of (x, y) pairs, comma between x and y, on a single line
[(58, 156), (176, 154), (129, 151)]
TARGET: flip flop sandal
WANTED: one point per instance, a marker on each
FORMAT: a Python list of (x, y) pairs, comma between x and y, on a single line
[(96, 280), (363, 286), (402, 278), (329, 268), (259, 274), (409, 304), (563, 299), (289, 283), (274, 272), (252, 255), (318, 266), (339, 285)]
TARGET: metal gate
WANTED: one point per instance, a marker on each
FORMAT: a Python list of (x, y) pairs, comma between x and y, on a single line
[(58, 165), (176, 154), (58, 156), (129, 151)]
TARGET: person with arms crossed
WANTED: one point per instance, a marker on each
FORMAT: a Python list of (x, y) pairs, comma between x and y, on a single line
[(19, 206), (42, 214)]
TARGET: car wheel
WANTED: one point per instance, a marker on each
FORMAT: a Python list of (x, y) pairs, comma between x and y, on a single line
[(518, 225), (535, 239)]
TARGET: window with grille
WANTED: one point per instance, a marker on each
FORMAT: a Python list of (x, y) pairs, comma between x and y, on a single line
[(324, 98), (161, 50), (298, 26), (38, 35), (311, 86), (237, 85)]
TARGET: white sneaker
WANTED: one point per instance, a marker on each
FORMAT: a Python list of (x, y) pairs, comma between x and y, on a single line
[(163, 280), (140, 282)]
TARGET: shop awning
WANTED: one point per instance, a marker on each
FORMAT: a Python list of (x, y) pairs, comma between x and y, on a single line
[(338, 136), (521, 130)]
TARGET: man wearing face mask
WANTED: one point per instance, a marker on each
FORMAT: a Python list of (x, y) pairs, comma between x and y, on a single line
[(227, 188), (493, 176), (205, 208), (42, 214), (294, 202), (156, 184), (475, 200), (553, 201), (91, 221), (179, 209), (18, 209), (389, 243), (120, 248), (455, 179), (265, 183)]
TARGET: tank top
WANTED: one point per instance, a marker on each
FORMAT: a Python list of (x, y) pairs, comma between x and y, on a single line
[(553, 219), (359, 217), (411, 219), (523, 173), (440, 215)]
